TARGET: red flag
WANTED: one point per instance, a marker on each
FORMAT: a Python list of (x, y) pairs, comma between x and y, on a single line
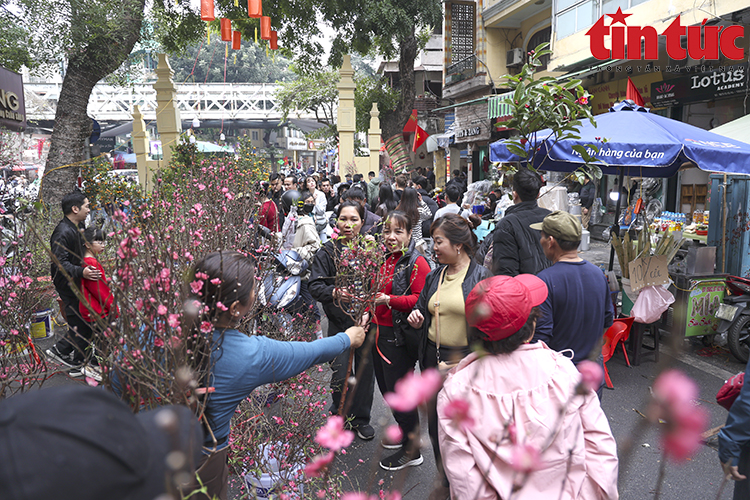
[(419, 137), (411, 124), (632, 93)]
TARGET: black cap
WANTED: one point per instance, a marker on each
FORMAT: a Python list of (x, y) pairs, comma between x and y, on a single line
[(82, 443)]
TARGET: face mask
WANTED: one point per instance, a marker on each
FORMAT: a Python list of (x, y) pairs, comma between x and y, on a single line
[(308, 209)]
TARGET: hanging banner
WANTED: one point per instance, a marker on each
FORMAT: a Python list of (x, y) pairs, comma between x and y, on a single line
[(12, 104)]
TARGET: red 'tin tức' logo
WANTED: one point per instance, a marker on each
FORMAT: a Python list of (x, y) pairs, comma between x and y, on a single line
[(715, 39)]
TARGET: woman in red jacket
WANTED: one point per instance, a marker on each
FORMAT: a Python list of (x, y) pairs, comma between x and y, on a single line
[(97, 297), (397, 343)]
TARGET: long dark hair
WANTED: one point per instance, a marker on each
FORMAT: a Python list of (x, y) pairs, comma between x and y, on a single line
[(221, 277), (386, 198), (409, 204), (458, 230)]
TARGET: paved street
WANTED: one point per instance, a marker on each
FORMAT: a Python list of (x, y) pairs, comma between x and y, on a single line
[(696, 479)]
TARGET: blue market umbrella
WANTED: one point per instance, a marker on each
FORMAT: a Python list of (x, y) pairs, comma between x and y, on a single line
[(640, 143)]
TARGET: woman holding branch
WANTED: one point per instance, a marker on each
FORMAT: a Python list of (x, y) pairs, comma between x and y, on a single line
[(396, 342), (223, 284), (339, 306)]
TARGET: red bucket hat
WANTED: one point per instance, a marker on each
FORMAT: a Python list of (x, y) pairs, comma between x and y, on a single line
[(499, 306)]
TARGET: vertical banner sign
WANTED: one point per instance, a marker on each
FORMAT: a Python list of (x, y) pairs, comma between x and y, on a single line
[(12, 105)]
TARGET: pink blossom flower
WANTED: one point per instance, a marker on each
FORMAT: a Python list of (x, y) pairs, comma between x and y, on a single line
[(92, 382), (358, 496), (414, 390), (161, 310), (673, 402), (591, 376), (206, 327), (393, 495), (173, 320), (318, 464), (525, 458), (458, 411), (394, 434), (196, 286), (333, 435)]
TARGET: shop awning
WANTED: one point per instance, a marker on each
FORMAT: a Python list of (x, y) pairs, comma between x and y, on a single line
[(496, 108), (437, 141)]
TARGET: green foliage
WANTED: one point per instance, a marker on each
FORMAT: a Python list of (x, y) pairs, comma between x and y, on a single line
[(14, 51), (373, 90), (545, 103), (205, 63), (315, 92), (105, 190)]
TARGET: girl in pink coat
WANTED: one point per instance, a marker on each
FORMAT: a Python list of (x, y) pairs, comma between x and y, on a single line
[(519, 418)]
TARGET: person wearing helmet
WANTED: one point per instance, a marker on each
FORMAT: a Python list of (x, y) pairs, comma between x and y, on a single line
[(289, 206)]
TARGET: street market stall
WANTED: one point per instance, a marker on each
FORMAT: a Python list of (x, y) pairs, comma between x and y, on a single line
[(635, 142)]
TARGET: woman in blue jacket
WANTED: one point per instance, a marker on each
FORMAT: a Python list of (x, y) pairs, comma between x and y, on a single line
[(238, 362)]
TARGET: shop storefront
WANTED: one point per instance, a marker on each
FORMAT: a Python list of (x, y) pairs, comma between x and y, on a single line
[(473, 133)]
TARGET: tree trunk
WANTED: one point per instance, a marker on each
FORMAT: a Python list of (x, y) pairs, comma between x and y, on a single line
[(106, 51), (392, 123)]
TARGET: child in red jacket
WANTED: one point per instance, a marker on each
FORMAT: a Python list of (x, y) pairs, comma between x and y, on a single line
[(98, 299)]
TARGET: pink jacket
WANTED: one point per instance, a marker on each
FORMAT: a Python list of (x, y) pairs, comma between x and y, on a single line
[(530, 386)]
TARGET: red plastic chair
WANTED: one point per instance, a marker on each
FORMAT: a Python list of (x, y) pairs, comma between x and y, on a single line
[(616, 334)]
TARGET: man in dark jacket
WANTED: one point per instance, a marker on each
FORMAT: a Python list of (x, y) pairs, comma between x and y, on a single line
[(588, 193), (66, 244), (516, 248)]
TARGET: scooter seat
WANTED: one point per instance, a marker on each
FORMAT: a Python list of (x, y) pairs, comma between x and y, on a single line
[(736, 299)]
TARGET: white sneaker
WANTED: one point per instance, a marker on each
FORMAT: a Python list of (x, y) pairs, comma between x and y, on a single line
[(92, 372)]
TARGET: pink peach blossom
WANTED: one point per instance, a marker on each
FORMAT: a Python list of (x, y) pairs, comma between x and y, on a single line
[(525, 458), (458, 411), (673, 401), (318, 464), (393, 434), (333, 435), (413, 390), (591, 375)]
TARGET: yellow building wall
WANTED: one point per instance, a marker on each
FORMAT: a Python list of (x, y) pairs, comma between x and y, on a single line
[(657, 13), (497, 42)]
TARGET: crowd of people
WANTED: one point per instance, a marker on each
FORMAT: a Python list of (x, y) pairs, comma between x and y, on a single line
[(536, 308)]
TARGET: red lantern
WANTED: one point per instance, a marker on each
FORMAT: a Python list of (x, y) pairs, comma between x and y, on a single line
[(207, 10), (226, 30), (274, 42), (236, 40), (265, 28), (255, 8)]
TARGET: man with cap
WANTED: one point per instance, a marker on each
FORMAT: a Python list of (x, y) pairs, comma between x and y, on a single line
[(578, 309), (491, 405), (92, 447)]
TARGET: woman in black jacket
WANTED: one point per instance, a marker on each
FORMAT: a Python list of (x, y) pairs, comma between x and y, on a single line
[(440, 310), (349, 219)]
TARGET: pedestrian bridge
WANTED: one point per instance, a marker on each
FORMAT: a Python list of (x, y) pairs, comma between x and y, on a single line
[(205, 101)]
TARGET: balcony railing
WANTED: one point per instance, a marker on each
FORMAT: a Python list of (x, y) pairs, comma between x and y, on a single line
[(462, 70)]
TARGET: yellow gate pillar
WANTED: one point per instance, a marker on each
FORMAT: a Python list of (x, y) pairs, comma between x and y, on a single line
[(140, 141), (347, 115), (167, 114), (373, 139)]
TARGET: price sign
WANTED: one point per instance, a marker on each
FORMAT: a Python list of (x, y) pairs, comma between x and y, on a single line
[(648, 271)]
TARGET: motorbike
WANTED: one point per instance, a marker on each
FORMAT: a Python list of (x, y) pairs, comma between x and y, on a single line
[(283, 293), (734, 316)]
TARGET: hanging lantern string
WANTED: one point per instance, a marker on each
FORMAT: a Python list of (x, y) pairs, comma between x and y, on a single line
[(226, 56)]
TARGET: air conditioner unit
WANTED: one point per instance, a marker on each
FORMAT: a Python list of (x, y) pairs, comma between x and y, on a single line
[(514, 58)]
